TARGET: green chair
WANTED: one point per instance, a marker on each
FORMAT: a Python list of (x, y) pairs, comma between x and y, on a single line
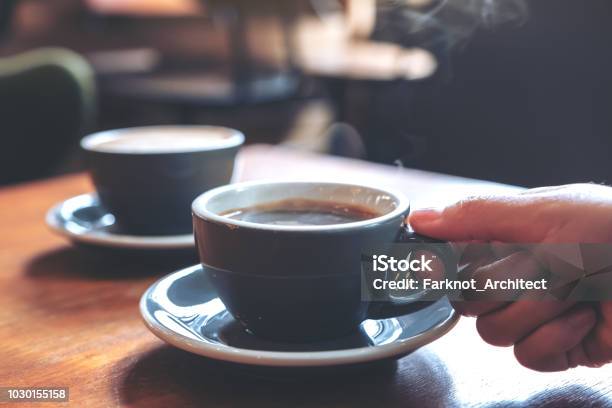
[(47, 102)]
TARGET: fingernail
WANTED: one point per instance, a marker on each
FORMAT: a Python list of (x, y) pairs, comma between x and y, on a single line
[(582, 318), (426, 215)]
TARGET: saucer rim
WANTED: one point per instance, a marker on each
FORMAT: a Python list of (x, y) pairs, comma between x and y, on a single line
[(228, 353), (111, 240)]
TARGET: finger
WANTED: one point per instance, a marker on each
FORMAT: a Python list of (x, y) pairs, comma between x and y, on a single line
[(473, 253), (546, 349), (516, 266), (577, 356), (502, 249), (508, 218), (519, 265), (476, 253), (474, 256), (598, 345), (573, 192), (509, 325)]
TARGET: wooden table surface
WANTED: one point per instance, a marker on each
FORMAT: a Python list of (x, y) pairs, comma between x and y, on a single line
[(70, 318)]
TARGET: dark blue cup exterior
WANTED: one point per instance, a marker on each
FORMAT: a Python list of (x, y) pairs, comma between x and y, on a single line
[(151, 193), (299, 284), (298, 309)]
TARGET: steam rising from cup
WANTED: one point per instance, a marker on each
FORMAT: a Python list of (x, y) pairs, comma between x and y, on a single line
[(458, 18)]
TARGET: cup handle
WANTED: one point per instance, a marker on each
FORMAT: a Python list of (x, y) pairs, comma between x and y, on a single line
[(391, 307)]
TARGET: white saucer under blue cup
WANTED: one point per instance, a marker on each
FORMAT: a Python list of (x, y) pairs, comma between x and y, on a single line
[(83, 220), (184, 310)]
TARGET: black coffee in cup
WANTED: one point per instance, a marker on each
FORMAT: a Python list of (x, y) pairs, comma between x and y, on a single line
[(303, 211)]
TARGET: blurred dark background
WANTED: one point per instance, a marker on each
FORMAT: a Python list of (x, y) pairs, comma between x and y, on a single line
[(524, 101)]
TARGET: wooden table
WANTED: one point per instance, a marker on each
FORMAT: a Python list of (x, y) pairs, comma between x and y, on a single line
[(69, 318)]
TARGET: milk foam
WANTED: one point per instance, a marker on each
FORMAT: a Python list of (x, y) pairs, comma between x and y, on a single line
[(164, 140)]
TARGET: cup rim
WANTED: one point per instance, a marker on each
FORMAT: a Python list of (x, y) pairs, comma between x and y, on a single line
[(199, 209), (91, 142)]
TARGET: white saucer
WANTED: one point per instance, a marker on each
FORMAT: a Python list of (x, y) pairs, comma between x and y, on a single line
[(183, 309), (82, 220)]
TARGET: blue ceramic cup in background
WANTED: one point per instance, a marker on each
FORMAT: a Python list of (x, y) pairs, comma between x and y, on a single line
[(147, 177)]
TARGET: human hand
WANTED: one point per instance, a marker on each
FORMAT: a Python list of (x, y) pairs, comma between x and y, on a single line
[(546, 335)]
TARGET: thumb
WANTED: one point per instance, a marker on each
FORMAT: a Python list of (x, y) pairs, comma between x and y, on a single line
[(496, 218)]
